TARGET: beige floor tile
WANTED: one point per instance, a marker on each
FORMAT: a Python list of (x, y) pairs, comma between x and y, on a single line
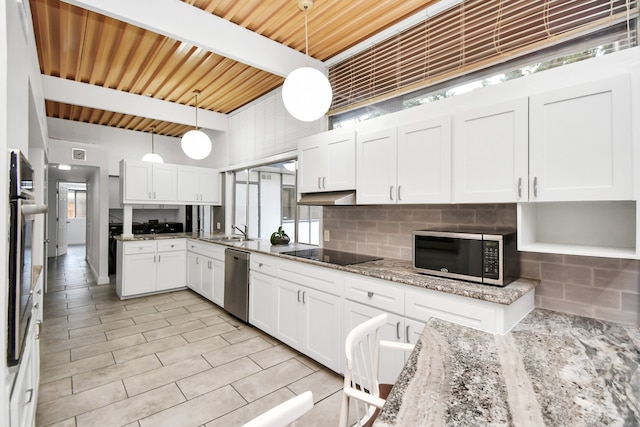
[(248, 412), (72, 368), (240, 335), (173, 330), (312, 364), (140, 350), (72, 343), (107, 346), (326, 413), (167, 357), (203, 305), (103, 327), (274, 355), (70, 422), (175, 320), (208, 332), (213, 320), (53, 359), (185, 296), (160, 315), (269, 380), (322, 384), (168, 374), (136, 329), (215, 378), (173, 304), (151, 301), (132, 409), (198, 411), (111, 373), (69, 406), (54, 390), (236, 351), (128, 314)]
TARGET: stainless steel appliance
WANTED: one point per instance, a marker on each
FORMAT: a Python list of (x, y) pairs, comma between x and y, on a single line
[(236, 283), (488, 257), (22, 210)]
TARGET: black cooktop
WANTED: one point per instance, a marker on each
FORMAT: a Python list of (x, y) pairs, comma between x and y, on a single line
[(331, 256)]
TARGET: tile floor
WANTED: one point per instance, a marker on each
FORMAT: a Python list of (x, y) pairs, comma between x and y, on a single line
[(173, 359)]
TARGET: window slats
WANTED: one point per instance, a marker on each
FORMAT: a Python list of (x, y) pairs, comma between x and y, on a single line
[(472, 34)]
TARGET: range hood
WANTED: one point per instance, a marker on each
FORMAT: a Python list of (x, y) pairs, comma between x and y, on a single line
[(336, 198)]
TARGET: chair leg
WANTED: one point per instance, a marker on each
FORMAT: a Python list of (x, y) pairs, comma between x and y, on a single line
[(344, 411)]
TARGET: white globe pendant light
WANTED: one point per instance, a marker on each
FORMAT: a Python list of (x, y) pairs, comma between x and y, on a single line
[(195, 143), (152, 156), (306, 92)]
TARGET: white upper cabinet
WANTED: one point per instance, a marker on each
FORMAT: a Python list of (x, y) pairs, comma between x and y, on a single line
[(424, 162), (580, 142), (148, 182), (410, 164), (376, 167), (198, 185), (326, 162), (490, 158)]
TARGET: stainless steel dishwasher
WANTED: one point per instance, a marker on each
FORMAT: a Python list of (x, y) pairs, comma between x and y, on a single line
[(236, 283)]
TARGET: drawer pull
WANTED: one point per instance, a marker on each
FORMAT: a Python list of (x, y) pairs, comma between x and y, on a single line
[(260, 264), (298, 295), (370, 294), (407, 335), (303, 294), (398, 330)]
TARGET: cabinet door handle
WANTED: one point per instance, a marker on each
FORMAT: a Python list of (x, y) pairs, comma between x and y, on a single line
[(158, 258), (398, 329), (406, 338), (298, 295), (259, 264), (519, 187), (197, 260), (370, 294), (535, 186), (303, 294), (320, 182), (149, 195), (38, 327), (391, 192), (324, 182), (399, 194), (29, 394)]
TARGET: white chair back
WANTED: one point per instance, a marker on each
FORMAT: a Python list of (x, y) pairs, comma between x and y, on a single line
[(286, 413)]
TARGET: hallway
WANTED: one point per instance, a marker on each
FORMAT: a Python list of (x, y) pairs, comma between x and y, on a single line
[(172, 359)]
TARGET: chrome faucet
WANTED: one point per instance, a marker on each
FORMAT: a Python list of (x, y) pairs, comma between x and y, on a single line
[(245, 233)]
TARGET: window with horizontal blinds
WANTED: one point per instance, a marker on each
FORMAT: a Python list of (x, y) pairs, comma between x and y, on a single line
[(470, 36)]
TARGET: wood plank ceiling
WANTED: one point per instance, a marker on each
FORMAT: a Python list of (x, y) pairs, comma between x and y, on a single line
[(87, 47)]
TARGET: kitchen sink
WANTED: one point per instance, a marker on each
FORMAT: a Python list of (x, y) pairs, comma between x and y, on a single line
[(230, 239)]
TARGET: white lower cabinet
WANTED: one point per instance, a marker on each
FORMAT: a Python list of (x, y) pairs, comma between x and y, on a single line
[(309, 321), (262, 309), (150, 266), (24, 396), (205, 270)]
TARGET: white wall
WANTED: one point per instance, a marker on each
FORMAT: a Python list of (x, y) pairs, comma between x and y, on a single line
[(126, 144)]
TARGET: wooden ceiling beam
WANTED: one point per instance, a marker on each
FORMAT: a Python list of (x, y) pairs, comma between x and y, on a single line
[(199, 28), (92, 96)]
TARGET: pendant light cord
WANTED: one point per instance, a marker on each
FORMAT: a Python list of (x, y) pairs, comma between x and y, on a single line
[(306, 38), (153, 150), (196, 111)]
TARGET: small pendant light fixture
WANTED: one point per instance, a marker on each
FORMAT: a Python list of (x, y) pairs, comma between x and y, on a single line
[(195, 143), (306, 92), (152, 156)]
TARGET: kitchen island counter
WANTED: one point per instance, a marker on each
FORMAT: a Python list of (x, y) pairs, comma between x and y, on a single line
[(550, 369)]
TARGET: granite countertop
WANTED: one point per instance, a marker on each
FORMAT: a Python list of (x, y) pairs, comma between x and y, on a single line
[(552, 369), (399, 271)]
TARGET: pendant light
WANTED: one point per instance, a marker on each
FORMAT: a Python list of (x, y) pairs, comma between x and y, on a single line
[(306, 92), (195, 143), (152, 156)]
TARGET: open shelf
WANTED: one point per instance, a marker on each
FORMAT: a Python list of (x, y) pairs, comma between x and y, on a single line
[(601, 229)]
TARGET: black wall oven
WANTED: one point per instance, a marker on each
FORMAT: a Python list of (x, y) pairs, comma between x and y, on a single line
[(21, 220)]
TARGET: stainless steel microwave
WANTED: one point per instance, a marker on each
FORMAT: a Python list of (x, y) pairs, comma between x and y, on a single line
[(488, 257)]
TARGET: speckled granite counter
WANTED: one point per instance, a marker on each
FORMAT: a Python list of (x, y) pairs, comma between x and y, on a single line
[(398, 271), (552, 369)]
